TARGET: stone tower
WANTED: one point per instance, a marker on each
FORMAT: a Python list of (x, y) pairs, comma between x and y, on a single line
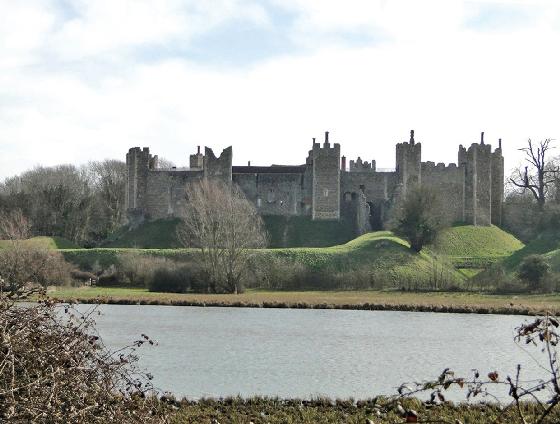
[(218, 167), (196, 161), (326, 181), (138, 163), (478, 182), (409, 163), (497, 193)]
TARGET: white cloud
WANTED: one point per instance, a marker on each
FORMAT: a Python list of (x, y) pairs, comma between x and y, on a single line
[(445, 81)]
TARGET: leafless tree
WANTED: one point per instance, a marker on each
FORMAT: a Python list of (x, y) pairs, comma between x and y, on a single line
[(541, 174), (224, 226), (14, 225), (109, 178)]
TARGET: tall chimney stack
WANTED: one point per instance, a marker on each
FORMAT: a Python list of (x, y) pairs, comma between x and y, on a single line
[(198, 151), (412, 137), (326, 137), (499, 143), (343, 163), (482, 137)]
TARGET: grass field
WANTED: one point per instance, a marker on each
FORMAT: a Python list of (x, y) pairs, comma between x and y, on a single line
[(436, 301), (292, 411)]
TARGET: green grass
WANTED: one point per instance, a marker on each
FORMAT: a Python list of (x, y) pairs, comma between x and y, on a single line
[(545, 244), (469, 246), (44, 242), (389, 299), (380, 253)]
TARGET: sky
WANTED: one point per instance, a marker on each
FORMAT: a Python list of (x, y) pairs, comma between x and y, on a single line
[(86, 80)]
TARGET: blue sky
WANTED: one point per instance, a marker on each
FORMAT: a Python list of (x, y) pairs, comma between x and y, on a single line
[(83, 80)]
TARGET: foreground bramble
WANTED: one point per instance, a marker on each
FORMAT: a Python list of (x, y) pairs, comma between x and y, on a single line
[(54, 368)]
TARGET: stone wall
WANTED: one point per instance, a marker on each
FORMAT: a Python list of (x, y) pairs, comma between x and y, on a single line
[(274, 193), (448, 182), (166, 192)]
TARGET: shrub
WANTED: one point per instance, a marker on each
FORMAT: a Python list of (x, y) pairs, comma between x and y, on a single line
[(21, 264), (55, 369), (172, 277), (272, 272), (533, 270), (138, 269)]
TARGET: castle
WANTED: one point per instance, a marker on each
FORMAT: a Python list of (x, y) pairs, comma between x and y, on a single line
[(325, 188)]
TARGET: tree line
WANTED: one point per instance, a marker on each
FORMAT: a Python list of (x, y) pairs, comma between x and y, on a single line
[(80, 203)]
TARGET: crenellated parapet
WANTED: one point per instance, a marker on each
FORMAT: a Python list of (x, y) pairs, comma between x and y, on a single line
[(362, 166)]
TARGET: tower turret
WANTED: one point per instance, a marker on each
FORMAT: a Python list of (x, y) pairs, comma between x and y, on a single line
[(409, 158), (326, 181)]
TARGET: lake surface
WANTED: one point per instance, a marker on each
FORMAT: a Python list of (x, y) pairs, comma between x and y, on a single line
[(304, 353)]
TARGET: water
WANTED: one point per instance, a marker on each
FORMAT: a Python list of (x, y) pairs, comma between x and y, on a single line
[(303, 353)]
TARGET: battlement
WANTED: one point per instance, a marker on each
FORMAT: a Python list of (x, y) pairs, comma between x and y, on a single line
[(325, 149), (218, 167), (440, 166), (359, 166)]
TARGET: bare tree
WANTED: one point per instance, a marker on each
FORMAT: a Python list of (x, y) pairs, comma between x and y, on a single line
[(14, 226), (109, 178), (541, 175), (224, 225)]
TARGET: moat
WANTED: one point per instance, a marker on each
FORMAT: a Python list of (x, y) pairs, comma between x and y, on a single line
[(216, 352)]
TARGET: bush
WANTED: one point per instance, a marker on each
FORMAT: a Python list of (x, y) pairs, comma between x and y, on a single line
[(21, 264), (138, 269), (55, 369), (533, 270), (275, 273), (173, 277)]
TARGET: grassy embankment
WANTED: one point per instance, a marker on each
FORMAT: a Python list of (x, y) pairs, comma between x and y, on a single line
[(276, 411), (382, 256), (472, 249), (368, 300)]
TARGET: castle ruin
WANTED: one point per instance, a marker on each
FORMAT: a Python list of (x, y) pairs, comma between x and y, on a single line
[(324, 188)]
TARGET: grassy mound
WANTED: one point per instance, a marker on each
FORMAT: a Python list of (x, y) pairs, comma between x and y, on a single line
[(45, 242), (547, 244), (159, 234), (381, 255), (469, 246)]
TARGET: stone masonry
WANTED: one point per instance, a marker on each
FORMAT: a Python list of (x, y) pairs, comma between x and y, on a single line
[(323, 188)]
